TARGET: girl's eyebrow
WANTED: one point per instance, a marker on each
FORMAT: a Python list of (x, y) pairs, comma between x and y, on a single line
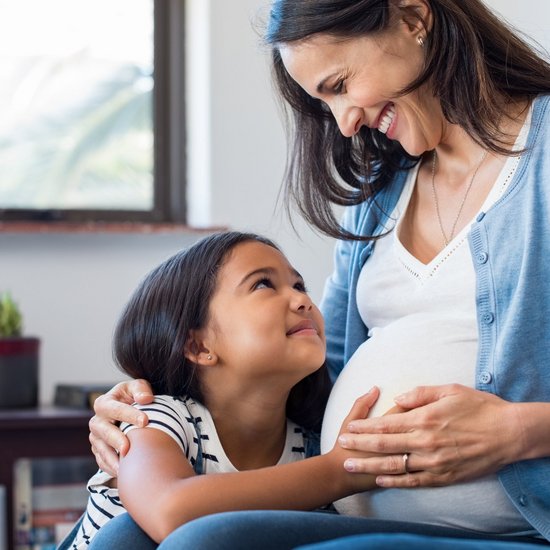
[(269, 271), (256, 272)]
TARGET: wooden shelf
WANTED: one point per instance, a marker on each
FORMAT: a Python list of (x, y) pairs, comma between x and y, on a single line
[(103, 227)]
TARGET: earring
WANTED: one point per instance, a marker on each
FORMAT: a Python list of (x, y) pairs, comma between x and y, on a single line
[(209, 357), (420, 40)]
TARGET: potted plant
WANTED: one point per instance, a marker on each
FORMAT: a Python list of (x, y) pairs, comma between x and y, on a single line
[(18, 359)]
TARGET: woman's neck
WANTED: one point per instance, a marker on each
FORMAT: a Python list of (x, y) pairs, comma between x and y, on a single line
[(451, 187), (458, 152)]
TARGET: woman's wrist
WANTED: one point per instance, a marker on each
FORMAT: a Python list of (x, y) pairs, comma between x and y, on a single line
[(533, 420)]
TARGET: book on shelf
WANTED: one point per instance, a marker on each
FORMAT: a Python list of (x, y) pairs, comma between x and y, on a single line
[(79, 396), (22, 477), (3, 517), (49, 497)]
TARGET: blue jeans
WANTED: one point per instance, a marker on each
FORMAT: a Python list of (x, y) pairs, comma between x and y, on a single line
[(282, 530), (121, 533)]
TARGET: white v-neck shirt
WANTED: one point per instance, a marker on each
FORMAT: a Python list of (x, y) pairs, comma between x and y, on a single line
[(422, 331)]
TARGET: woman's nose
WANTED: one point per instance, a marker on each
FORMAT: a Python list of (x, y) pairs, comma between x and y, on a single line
[(349, 119)]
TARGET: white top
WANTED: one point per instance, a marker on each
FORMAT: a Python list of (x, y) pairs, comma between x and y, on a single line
[(422, 331), (185, 421)]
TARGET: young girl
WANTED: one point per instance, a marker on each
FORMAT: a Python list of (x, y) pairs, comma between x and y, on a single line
[(230, 341)]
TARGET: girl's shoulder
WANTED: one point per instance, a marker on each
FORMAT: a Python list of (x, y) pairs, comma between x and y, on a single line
[(169, 406), (176, 416)]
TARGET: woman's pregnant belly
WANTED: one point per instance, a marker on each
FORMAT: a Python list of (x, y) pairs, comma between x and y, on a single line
[(396, 361)]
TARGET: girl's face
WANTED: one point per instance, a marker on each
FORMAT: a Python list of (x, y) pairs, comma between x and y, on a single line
[(262, 321), (359, 80)]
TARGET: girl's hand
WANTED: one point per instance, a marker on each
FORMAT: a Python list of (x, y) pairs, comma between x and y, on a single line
[(342, 455), (451, 433), (116, 406)]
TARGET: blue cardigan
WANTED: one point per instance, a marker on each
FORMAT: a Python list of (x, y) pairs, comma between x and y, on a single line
[(510, 248)]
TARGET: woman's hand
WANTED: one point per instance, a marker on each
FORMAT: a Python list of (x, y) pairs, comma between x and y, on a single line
[(450, 433), (116, 406)]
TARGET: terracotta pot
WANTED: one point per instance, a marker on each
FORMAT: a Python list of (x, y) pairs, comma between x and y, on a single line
[(19, 359)]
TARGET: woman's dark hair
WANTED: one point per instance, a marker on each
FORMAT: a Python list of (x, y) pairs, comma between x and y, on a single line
[(174, 299), (475, 64)]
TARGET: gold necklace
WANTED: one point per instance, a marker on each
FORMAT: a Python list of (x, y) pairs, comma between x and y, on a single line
[(445, 239)]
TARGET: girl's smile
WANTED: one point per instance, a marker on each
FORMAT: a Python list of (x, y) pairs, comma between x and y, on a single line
[(304, 328)]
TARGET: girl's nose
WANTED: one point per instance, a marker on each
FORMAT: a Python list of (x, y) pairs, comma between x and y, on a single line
[(301, 301)]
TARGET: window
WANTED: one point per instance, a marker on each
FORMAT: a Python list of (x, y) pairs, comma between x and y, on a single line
[(91, 110)]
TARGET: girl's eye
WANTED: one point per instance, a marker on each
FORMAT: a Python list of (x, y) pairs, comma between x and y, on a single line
[(301, 287), (264, 282)]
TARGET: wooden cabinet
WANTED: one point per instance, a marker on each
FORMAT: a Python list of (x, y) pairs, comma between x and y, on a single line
[(39, 433)]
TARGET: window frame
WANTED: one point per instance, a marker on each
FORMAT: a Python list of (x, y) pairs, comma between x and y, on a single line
[(169, 159)]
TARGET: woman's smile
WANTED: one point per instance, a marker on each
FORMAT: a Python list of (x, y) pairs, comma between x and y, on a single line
[(386, 119)]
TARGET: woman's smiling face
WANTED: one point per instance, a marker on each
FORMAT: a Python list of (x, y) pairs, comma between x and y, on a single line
[(360, 80)]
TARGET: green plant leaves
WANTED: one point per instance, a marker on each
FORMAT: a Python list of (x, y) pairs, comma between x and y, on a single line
[(11, 320)]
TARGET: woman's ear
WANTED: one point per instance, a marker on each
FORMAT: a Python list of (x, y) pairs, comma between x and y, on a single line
[(417, 15), (198, 351)]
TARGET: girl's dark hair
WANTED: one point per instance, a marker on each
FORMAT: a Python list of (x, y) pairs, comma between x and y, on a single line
[(173, 300), (475, 64)]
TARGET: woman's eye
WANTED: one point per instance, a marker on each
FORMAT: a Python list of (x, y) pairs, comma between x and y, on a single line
[(263, 283), (340, 87)]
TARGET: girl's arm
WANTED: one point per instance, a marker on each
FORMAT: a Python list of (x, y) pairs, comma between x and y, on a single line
[(160, 490)]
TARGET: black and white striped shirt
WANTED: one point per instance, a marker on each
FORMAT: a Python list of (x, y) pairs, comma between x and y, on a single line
[(191, 426)]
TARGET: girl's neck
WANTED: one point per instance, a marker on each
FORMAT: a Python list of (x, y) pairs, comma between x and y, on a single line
[(251, 427)]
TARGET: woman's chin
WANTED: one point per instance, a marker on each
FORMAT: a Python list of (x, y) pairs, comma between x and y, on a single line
[(414, 149)]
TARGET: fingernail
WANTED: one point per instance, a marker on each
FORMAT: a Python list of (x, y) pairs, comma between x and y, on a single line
[(343, 441), (143, 394), (381, 481), (400, 397), (141, 422), (349, 465)]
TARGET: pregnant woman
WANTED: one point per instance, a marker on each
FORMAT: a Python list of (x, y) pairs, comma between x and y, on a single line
[(430, 121)]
